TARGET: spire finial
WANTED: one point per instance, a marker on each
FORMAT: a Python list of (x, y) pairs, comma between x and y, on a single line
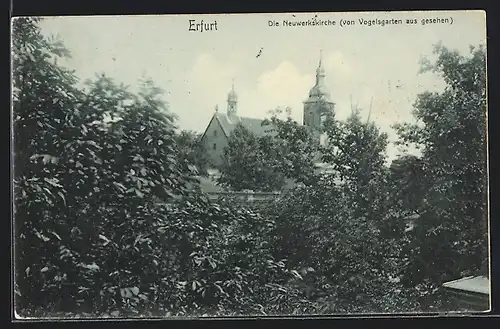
[(320, 71), (232, 83)]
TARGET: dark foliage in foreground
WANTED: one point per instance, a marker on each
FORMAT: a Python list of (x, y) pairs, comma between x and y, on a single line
[(107, 221), (104, 222)]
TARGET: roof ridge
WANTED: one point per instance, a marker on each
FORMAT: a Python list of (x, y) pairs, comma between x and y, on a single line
[(227, 124), (242, 117)]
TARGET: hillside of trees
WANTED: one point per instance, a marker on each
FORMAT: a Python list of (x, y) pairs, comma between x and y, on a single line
[(108, 219)]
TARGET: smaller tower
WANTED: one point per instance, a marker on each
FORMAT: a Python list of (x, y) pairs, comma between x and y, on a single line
[(232, 102)]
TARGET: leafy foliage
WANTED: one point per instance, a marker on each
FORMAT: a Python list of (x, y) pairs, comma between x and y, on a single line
[(454, 161), (246, 167), (105, 223), (329, 227), (285, 154), (357, 152), (193, 151), (409, 183), (109, 219), (352, 225), (290, 148)]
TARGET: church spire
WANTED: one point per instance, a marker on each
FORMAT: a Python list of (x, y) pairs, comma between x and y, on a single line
[(318, 105), (320, 71), (232, 101)]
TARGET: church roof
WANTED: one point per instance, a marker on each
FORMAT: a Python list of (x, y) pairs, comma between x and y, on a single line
[(228, 124)]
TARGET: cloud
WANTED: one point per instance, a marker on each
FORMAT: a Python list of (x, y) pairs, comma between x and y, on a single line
[(206, 69), (209, 79), (338, 64), (206, 85), (283, 86), (287, 86)]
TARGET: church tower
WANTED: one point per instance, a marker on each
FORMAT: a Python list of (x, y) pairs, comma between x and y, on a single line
[(232, 103), (318, 105)]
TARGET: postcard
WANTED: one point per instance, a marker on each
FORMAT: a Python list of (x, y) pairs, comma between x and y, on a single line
[(250, 165)]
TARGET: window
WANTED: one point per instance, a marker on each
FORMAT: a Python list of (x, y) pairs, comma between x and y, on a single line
[(215, 146), (215, 133)]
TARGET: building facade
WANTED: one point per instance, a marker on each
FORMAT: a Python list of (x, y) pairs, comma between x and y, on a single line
[(316, 109)]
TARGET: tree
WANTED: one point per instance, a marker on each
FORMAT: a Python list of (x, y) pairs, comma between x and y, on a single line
[(105, 223), (84, 187), (246, 166), (287, 152), (451, 237), (290, 148), (408, 183), (193, 151), (332, 225), (43, 95), (357, 152)]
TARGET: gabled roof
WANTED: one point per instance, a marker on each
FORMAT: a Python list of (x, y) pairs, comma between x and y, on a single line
[(254, 125)]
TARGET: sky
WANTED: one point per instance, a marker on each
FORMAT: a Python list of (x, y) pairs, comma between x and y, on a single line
[(374, 67)]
